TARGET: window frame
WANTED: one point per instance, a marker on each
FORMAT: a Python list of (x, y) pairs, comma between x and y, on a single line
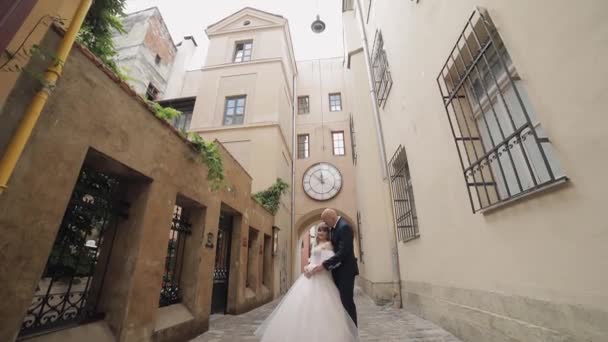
[(402, 195), (243, 58), (383, 81), (491, 118), (306, 144), (236, 98), (306, 109), (333, 144), (339, 103), (152, 93)]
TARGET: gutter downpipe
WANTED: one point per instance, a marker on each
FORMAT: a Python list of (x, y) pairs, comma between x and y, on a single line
[(397, 300), (293, 174), (23, 132)]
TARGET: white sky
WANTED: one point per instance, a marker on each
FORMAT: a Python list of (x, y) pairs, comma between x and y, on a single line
[(191, 17)]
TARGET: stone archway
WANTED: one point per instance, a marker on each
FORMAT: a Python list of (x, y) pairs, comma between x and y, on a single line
[(306, 222)]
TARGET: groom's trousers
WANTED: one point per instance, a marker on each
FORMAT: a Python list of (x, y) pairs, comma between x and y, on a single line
[(346, 287)]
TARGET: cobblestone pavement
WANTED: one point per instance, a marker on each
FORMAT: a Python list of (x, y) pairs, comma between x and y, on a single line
[(376, 324)]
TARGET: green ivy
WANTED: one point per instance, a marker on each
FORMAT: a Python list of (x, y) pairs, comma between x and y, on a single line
[(165, 113), (210, 155), (271, 197), (96, 32)]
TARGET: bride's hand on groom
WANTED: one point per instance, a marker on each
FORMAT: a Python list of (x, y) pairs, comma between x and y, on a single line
[(309, 272)]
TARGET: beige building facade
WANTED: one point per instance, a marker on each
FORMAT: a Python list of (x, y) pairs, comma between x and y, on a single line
[(492, 117), (244, 99)]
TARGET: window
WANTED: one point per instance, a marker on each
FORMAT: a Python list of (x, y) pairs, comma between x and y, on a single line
[(503, 148), (184, 105), (381, 73), (157, 60), (347, 5), (242, 51), (335, 102), (303, 146), (181, 229), (303, 105), (353, 142), (359, 237), (152, 92), (338, 143), (234, 112), (406, 219)]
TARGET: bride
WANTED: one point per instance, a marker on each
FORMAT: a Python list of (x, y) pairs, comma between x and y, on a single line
[(311, 310)]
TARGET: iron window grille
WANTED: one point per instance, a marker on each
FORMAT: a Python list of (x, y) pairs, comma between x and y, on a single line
[(303, 105), (152, 92), (335, 102), (353, 138), (406, 219), (234, 112), (303, 146), (503, 149), (171, 292), (338, 143), (383, 82), (72, 281), (359, 236), (242, 51)]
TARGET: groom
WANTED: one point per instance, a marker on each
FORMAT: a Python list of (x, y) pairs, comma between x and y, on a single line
[(343, 265)]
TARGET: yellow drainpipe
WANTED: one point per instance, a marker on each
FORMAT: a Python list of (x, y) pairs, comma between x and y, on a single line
[(24, 130)]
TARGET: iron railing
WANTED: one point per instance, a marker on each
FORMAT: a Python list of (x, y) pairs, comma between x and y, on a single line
[(503, 150), (383, 82), (70, 287), (171, 292), (406, 219)]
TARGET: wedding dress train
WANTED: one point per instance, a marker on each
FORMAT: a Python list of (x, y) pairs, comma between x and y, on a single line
[(311, 310)]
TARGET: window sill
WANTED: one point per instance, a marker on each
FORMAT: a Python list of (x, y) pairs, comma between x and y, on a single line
[(411, 239), (172, 315), (554, 186)]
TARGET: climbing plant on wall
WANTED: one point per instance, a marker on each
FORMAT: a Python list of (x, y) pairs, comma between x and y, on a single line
[(210, 155), (271, 197), (96, 32)]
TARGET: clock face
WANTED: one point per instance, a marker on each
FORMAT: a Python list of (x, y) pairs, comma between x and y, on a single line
[(322, 181)]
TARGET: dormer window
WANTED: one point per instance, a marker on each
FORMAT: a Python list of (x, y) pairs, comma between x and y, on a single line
[(242, 51)]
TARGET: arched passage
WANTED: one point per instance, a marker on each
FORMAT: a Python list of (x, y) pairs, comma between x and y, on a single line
[(303, 226)]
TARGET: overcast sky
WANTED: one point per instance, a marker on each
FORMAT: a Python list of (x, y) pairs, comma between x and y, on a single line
[(191, 17)]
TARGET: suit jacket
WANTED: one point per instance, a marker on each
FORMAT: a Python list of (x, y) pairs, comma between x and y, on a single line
[(343, 263)]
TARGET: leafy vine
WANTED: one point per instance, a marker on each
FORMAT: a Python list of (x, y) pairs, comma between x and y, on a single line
[(271, 197), (210, 155)]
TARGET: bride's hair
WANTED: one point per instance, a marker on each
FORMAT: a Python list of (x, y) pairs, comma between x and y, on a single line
[(324, 228)]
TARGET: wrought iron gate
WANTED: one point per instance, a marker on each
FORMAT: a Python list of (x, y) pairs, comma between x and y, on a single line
[(170, 292), (70, 286), (222, 264)]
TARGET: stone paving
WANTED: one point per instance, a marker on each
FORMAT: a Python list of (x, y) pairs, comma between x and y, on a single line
[(377, 323)]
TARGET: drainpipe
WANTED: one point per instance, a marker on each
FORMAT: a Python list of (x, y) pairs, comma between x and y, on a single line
[(24, 130), (293, 173), (380, 137)]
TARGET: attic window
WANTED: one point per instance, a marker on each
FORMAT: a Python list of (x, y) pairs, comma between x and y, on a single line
[(246, 23), (157, 60)]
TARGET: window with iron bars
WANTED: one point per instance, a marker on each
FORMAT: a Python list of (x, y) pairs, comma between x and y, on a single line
[(353, 142), (360, 237), (406, 219), (503, 149), (171, 292), (152, 92), (383, 81)]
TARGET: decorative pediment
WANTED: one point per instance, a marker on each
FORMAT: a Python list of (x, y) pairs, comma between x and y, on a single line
[(246, 19)]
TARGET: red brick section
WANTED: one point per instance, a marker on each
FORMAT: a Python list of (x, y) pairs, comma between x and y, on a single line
[(159, 41), (127, 88)]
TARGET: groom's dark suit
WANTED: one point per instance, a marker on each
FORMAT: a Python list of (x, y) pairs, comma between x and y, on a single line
[(343, 265)]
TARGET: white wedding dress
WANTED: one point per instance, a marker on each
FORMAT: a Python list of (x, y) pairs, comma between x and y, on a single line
[(311, 310)]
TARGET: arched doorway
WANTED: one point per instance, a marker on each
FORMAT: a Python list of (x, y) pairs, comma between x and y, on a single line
[(305, 235)]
